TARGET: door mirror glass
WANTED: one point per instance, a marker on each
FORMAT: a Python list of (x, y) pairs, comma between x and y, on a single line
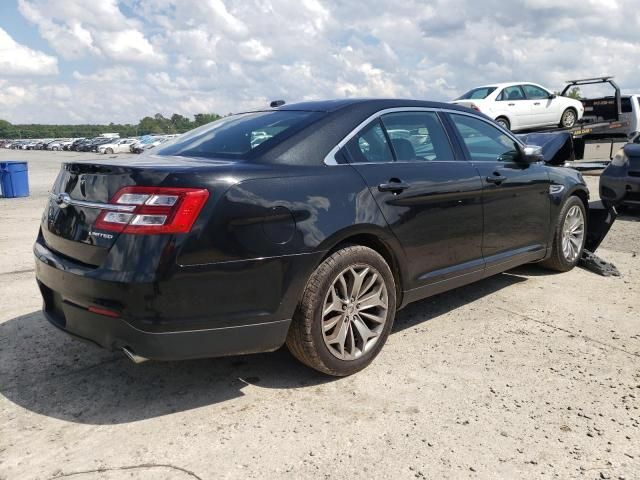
[(532, 154)]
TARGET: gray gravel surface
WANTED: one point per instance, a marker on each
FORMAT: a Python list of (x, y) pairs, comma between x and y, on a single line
[(528, 374)]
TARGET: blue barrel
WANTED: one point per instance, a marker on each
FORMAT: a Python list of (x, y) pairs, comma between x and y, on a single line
[(14, 179)]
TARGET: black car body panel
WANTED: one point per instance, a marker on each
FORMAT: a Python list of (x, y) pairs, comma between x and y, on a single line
[(620, 181), (231, 284), (557, 147)]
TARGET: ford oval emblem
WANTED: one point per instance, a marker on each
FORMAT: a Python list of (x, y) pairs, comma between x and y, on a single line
[(63, 200)]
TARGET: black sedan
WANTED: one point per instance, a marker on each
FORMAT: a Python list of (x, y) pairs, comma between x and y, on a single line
[(309, 224), (620, 181)]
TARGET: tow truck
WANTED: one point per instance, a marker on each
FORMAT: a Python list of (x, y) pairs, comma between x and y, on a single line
[(607, 125)]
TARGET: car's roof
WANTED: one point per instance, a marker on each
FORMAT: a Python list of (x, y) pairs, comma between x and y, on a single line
[(509, 84), (374, 103)]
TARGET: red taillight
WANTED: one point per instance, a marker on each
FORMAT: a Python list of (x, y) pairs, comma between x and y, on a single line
[(473, 106), (154, 210)]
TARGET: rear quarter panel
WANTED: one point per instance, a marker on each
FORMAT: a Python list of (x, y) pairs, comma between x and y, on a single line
[(298, 210)]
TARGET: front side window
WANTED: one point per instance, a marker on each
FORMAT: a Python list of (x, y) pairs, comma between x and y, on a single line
[(511, 94), (535, 93), (484, 142), (417, 136), (370, 145), (239, 135)]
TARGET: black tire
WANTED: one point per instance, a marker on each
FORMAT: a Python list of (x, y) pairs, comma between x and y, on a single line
[(569, 112), (305, 338), (504, 123), (108, 151), (558, 261)]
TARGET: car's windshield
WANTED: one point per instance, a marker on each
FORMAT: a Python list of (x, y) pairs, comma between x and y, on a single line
[(238, 135), (477, 93)]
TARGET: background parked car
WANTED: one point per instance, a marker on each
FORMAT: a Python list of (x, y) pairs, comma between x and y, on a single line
[(119, 146), (93, 144), (520, 106), (149, 144)]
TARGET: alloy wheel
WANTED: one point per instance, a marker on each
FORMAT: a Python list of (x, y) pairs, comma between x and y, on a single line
[(569, 119), (573, 234), (354, 312)]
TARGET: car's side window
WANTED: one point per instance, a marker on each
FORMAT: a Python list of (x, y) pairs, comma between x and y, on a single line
[(535, 93), (417, 136), (484, 142), (511, 94), (370, 145)]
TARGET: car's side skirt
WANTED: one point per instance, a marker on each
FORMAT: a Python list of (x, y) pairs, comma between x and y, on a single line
[(495, 264)]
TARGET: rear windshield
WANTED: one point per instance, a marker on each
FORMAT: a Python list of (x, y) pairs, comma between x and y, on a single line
[(239, 135), (477, 93)]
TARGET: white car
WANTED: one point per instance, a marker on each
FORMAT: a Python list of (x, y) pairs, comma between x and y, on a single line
[(522, 106), (117, 146)]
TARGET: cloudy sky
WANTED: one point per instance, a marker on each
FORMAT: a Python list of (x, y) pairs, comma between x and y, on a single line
[(117, 60)]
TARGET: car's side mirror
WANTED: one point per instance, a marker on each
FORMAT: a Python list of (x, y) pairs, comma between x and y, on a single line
[(532, 154), (552, 96)]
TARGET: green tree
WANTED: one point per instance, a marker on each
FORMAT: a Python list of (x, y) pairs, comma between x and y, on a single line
[(157, 124), (574, 92)]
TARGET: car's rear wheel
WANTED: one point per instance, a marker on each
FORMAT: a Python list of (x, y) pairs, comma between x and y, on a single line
[(504, 123), (346, 312), (569, 236), (109, 151), (569, 118)]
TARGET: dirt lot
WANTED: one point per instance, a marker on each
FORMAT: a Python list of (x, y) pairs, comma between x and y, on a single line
[(525, 375)]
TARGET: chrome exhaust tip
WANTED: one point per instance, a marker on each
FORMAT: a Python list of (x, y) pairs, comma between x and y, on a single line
[(133, 357)]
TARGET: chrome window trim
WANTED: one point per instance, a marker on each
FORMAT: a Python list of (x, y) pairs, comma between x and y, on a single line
[(102, 206), (330, 158)]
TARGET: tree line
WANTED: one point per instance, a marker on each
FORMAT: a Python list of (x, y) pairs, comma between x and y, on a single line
[(157, 124)]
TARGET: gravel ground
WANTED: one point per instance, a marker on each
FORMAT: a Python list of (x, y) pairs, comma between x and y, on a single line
[(528, 374)]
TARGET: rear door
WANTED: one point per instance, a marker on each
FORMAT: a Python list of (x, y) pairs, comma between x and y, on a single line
[(515, 194), (430, 199), (513, 101)]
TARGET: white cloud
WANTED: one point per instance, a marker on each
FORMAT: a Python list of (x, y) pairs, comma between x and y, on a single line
[(77, 28), (190, 56), (16, 59)]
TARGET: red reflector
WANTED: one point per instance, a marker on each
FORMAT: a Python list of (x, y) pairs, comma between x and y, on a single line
[(104, 311), (157, 210)]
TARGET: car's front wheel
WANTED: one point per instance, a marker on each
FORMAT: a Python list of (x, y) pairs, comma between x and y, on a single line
[(569, 236), (346, 312)]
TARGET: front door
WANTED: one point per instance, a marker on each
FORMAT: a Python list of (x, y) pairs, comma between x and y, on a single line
[(544, 108), (515, 194), (431, 201)]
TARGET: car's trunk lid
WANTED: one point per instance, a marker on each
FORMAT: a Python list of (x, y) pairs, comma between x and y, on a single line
[(83, 190)]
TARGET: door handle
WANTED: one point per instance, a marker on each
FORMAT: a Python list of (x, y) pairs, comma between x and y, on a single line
[(496, 178), (395, 186), (512, 104), (537, 103)]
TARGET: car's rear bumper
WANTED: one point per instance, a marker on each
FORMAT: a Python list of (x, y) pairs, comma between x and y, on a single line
[(227, 309), (118, 334)]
